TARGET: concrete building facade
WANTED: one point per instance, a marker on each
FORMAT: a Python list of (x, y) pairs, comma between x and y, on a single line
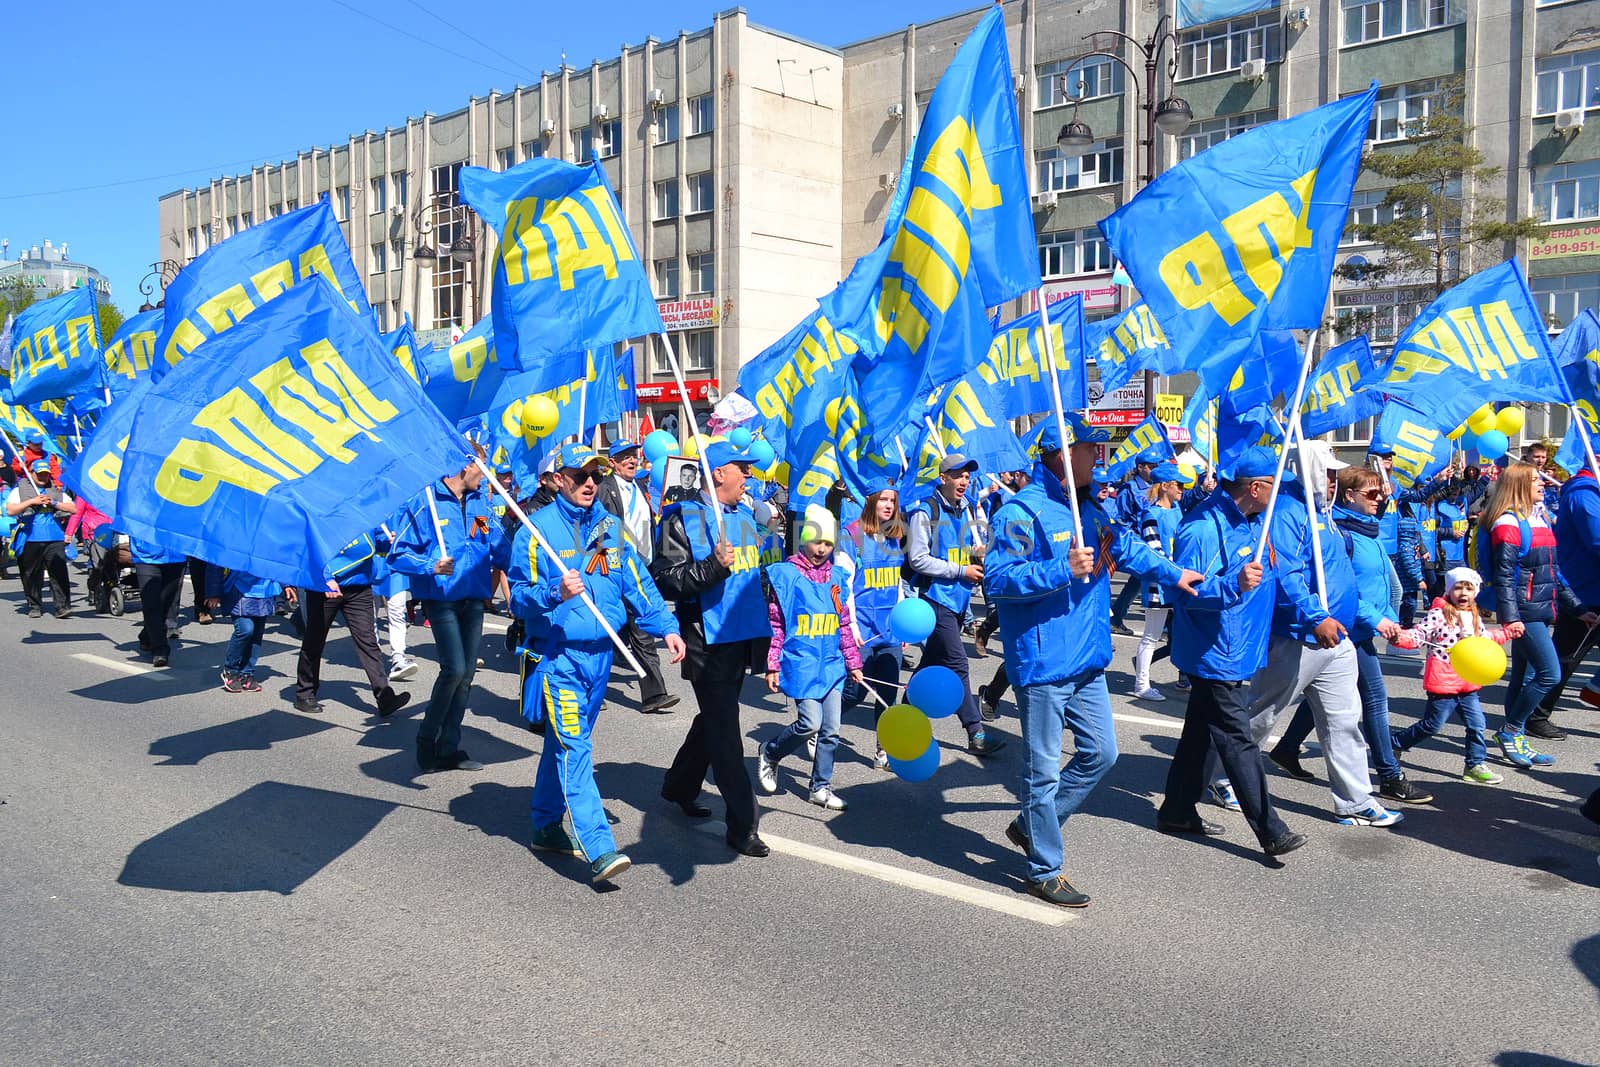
[(45, 269)]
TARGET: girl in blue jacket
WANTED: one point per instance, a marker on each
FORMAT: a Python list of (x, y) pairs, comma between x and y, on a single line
[(250, 601)]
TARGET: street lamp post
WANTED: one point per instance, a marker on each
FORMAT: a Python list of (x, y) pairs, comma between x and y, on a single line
[(154, 284), (1167, 114), (460, 249)]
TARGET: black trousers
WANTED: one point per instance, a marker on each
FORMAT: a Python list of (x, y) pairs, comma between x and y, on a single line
[(160, 587), (197, 582), (1573, 641), (355, 604), (38, 559), (652, 687), (945, 648), (715, 741), (1219, 716)]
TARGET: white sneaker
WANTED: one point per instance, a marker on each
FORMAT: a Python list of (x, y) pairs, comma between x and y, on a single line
[(1150, 693), (880, 762), (403, 670), (766, 773), (1374, 814), (827, 798), (1221, 794)]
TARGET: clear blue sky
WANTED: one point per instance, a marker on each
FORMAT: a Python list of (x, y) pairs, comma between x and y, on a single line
[(111, 104)]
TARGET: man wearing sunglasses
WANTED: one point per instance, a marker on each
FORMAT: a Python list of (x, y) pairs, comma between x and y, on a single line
[(575, 651)]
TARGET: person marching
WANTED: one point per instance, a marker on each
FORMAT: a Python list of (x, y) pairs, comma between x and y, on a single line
[(575, 652), (250, 601), (813, 650), (1159, 530), (160, 576), (1056, 632), (870, 559), (1129, 511), (39, 510), (715, 581), (450, 576), (348, 593), (621, 496)]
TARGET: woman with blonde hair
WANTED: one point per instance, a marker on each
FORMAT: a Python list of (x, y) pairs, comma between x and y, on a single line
[(1517, 553)]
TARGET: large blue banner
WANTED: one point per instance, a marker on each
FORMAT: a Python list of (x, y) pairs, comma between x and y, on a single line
[(1131, 341), (96, 470), (131, 352), (566, 277), (257, 265), (1334, 397), (1199, 12), (298, 433), (55, 348), (1017, 357), (1578, 356), (1242, 237)]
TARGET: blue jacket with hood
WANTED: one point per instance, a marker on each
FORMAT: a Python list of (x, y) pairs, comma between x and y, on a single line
[(1578, 536), (1222, 633), (473, 538)]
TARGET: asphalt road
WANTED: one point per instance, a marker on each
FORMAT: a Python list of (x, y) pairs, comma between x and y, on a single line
[(189, 876)]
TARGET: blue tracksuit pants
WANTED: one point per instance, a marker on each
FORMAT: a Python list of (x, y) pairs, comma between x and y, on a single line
[(569, 687)]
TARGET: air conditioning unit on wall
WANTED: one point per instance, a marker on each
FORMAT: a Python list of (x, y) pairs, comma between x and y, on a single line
[(1046, 199), (1570, 121), (1253, 70), (548, 127), (658, 99)]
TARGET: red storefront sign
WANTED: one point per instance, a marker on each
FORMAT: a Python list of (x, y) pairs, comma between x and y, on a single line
[(1115, 417), (667, 392), (696, 313)]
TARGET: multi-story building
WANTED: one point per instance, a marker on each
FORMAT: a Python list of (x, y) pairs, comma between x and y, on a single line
[(753, 168), (42, 270)]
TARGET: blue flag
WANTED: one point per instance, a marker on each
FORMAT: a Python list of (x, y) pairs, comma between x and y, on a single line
[(628, 379), (965, 416), (256, 265), (1334, 394), (1149, 435), (296, 435), (1242, 237), (1017, 357), (131, 352), (97, 469), (958, 243), (1220, 432), (1480, 342), (403, 344), (566, 276), (20, 424), (1421, 449), (55, 348), (1127, 343), (1578, 355), (600, 403), (462, 379)]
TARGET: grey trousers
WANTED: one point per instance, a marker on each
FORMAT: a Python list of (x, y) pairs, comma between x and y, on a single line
[(1326, 678)]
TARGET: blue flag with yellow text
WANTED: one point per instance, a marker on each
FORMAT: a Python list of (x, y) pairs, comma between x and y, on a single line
[(1335, 397), (1578, 356), (1421, 449), (55, 348), (96, 470), (461, 379), (1482, 341), (566, 275), (257, 265), (1017, 356), (403, 344), (600, 403), (19, 424), (131, 352), (294, 433), (1242, 236), (1149, 435), (1131, 341), (965, 416)]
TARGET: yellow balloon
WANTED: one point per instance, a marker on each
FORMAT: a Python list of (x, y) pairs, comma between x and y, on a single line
[(539, 417), (1478, 660), (904, 732), (1458, 433), (1482, 419), (691, 446), (1510, 421)]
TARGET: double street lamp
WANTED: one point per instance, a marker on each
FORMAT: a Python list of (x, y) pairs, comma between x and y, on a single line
[(459, 250)]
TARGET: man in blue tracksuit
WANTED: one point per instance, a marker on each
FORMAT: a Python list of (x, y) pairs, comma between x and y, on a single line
[(1219, 639), (1129, 512), (946, 564), (575, 651), (1053, 591)]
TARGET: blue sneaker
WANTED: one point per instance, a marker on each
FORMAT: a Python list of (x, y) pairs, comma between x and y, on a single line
[(1517, 750), (608, 867), (1374, 814)]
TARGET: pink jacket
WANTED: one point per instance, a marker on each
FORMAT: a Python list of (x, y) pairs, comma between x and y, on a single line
[(86, 518), (1440, 635), (822, 573)]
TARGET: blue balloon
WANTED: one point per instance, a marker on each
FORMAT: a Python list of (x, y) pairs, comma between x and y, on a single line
[(919, 769), (740, 437), (762, 453), (911, 621), (659, 445), (1469, 441), (935, 691), (1492, 444), (658, 475)]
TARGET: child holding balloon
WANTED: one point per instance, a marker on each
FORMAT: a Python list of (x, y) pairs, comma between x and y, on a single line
[(1454, 619), (813, 650)]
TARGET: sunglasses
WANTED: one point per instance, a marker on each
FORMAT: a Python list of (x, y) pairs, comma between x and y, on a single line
[(584, 475), (1373, 494)]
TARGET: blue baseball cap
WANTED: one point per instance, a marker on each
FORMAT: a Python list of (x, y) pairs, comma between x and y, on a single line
[(576, 456), (1101, 476), (40, 466), (36, 438), (879, 484), (1082, 433), (1380, 450), (1258, 462), (1153, 456), (621, 447), (720, 452), (1168, 472)]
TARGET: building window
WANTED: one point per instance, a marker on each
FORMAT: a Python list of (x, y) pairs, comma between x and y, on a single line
[(341, 202), (379, 188), (1569, 192), (702, 193), (380, 258), (449, 292), (666, 271), (194, 243), (584, 140), (1375, 20), (667, 124), (508, 158), (1100, 75), (610, 138), (702, 274), (701, 118), (1562, 296), (382, 312), (275, 210), (205, 236), (667, 199), (291, 205), (533, 149), (1223, 46), (449, 277), (246, 220), (399, 180), (1401, 109), (698, 350), (1071, 252), (1569, 81), (1101, 165), (1380, 313), (1203, 135), (1366, 208)]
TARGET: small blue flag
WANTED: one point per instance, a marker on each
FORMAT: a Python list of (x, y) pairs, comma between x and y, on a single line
[(1150, 434), (403, 344), (593, 393), (1017, 357), (55, 348), (296, 435), (1335, 397), (1578, 355), (461, 380), (1131, 341), (20, 424), (132, 351), (1421, 449), (966, 416)]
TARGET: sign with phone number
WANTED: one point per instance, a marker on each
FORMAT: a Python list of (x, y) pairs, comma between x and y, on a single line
[(1564, 243)]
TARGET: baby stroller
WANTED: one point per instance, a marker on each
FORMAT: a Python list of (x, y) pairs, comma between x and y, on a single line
[(111, 580)]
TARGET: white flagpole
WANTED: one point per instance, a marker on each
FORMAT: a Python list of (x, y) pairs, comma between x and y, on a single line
[(588, 602), (583, 391), (21, 460), (1294, 428), (694, 427), (1061, 420), (438, 527), (1311, 517)]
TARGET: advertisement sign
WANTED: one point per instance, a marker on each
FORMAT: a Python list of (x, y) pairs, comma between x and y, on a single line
[(1582, 240), (1120, 407), (1098, 292), (696, 313), (668, 393)]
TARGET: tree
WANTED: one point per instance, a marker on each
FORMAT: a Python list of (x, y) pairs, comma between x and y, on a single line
[(1428, 233), (111, 320)]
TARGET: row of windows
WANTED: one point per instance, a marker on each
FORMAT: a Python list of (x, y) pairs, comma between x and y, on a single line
[(1569, 192), (1101, 165), (1070, 252), (702, 196), (1375, 20), (697, 349), (702, 276), (1203, 135)]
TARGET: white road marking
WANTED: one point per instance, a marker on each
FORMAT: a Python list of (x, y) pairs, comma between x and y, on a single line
[(118, 665), (1140, 720), (1015, 905), (496, 627)]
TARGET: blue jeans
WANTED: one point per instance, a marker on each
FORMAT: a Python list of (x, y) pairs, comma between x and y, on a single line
[(1440, 706), (816, 717), (1375, 711), (1051, 792), (1535, 670), (457, 626), (244, 645)]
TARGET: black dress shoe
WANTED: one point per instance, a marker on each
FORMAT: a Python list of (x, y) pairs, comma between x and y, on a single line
[(660, 707), (1290, 764), (692, 808), (749, 846), (1197, 826), (1545, 730), (1288, 842), (390, 702)]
